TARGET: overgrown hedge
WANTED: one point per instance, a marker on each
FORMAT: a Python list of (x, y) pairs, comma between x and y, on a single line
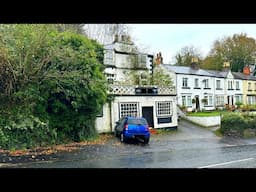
[(234, 124), (51, 86)]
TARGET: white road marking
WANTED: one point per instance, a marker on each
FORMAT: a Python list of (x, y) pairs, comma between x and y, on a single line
[(214, 165)]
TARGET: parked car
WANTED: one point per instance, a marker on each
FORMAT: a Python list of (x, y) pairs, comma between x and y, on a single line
[(132, 128)]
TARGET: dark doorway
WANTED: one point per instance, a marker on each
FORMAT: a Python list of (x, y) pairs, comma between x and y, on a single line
[(228, 99), (147, 113), (197, 103)]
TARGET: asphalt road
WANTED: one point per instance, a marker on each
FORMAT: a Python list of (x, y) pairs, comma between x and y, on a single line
[(189, 147)]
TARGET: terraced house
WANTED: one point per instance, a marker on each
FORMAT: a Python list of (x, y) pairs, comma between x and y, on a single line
[(199, 89), (155, 103)]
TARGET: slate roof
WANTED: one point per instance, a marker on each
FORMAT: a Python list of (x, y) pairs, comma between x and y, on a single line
[(239, 75), (188, 70), (220, 74)]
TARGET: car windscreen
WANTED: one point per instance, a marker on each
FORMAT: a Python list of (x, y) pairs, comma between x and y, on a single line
[(137, 121)]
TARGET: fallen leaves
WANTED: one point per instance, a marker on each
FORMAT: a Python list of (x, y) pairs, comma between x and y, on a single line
[(58, 148)]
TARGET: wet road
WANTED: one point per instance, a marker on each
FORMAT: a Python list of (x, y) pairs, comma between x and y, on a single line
[(189, 147)]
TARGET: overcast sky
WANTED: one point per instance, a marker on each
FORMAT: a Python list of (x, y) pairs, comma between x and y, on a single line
[(170, 38)]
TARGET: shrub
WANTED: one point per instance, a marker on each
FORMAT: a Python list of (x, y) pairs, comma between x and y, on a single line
[(233, 124)]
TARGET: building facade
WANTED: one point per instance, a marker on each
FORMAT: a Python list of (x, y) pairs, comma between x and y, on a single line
[(199, 89), (155, 103)]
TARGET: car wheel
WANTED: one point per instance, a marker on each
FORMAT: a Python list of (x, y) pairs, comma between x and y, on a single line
[(146, 140)]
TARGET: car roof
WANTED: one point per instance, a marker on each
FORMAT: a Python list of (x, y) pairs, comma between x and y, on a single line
[(135, 117)]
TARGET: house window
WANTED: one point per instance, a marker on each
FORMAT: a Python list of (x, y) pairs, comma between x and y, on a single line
[(208, 100), (237, 85), (238, 98), (184, 82), (129, 109), (206, 83), (230, 85), (196, 83), (218, 84), (183, 100), (164, 108), (249, 86), (219, 100), (186, 100), (108, 57), (189, 102), (251, 100)]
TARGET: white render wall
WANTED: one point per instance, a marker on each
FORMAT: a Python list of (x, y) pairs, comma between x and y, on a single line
[(107, 122), (193, 92), (102, 124), (146, 101), (205, 121)]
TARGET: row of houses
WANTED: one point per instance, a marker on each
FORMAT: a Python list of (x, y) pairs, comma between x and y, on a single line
[(199, 89), (194, 88)]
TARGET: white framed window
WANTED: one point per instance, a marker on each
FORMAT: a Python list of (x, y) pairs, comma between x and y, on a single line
[(206, 83), (237, 85), (238, 98), (209, 100), (219, 100), (129, 109), (230, 85), (163, 108), (249, 86), (218, 84), (251, 100), (189, 102), (184, 82), (183, 98), (186, 100), (196, 83)]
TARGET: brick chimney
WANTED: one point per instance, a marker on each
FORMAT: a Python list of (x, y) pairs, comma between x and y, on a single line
[(194, 63), (159, 58), (246, 70)]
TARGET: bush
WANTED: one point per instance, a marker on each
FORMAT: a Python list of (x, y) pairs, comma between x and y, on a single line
[(235, 124), (25, 131)]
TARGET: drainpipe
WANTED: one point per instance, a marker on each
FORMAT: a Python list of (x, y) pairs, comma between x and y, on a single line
[(110, 114)]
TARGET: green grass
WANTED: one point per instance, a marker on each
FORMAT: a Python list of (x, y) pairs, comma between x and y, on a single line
[(204, 113)]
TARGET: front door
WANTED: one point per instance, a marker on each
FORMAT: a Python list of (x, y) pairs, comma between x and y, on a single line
[(147, 113), (197, 103)]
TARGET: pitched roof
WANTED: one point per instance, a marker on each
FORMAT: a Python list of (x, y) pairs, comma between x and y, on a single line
[(188, 70), (239, 75), (220, 74)]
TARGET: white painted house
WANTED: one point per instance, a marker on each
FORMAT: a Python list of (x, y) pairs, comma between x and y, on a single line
[(199, 89), (157, 104), (193, 85)]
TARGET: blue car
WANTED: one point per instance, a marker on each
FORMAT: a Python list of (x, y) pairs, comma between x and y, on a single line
[(132, 128)]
